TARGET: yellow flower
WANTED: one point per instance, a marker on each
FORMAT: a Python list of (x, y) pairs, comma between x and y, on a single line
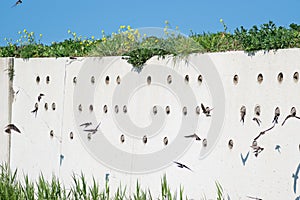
[(166, 22), (41, 35), (128, 27), (221, 20), (93, 37), (69, 31), (122, 27), (24, 30), (19, 32)]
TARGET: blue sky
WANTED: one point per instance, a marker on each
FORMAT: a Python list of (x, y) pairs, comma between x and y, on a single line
[(53, 18)]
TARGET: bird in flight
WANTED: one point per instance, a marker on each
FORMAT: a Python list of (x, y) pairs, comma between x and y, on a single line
[(10, 127), (193, 136), (180, 165), (93, 131), (17, 3), (258, 121), (40, 97), (86, 124), (244, 159), (206, 110)]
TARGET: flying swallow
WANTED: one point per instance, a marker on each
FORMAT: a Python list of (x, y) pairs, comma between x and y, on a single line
[(40, 97), (35, 110), (258, 121), (86, 124), (193, 136), (93, 131), (277, 147), (243, 113), (276, 116), (295, 177), (257, 150), (17, 3), (180, 165), (244, 159), (263, 132), (256, 198), (10, 127), (206, 110)]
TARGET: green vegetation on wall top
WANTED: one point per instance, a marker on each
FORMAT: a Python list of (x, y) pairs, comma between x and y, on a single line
[(137, 49)]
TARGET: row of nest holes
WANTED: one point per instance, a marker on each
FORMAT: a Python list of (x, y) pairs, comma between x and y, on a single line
[(260, 78), (154, 109), (186, 79), (118, 79), (257, 110), (145, 140), (38, 79), (46, 106)]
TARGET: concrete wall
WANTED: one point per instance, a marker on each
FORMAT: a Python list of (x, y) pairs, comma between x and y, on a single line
[(96, 90)]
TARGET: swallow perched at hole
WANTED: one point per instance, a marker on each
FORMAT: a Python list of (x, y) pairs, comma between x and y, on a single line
[(291, 115), (257, 150), (180, 165), (10, 127), (193, 136), (17, 3), (40, 97), (206, 110), (276, 116), (243, 114)]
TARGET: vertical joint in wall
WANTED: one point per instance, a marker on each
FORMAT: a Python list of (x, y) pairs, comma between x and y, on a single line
[(10, 101)]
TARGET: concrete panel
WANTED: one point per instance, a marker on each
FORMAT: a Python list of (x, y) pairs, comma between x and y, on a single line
[(37, 149), (4, 109), (143, 119)]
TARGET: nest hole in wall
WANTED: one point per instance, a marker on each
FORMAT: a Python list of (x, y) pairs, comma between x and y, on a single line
[(116, 108), (184, 110), (122, 138), (53, 106), (91, 108), (92, 79), (47, 79), (186, 79), (204, 142), (107, 80), (125, 109), (74, 79), (296, 76), (37, 79), (166, 141), (80, 107), (169, 79), (260, 78), (168, 110), (200, 79), (235, 79), (71, 135), (280, 77), (230, 144), (105, 109), (154, 109), (51, 133), (257, 110), (118, 80), (46, 106), (198, 111), (149, 80), (145, 139)]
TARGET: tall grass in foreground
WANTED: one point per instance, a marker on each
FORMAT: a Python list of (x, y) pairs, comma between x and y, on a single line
[(13, 189)]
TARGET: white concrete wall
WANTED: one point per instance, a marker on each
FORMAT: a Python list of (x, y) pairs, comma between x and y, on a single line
[(267, 176)]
